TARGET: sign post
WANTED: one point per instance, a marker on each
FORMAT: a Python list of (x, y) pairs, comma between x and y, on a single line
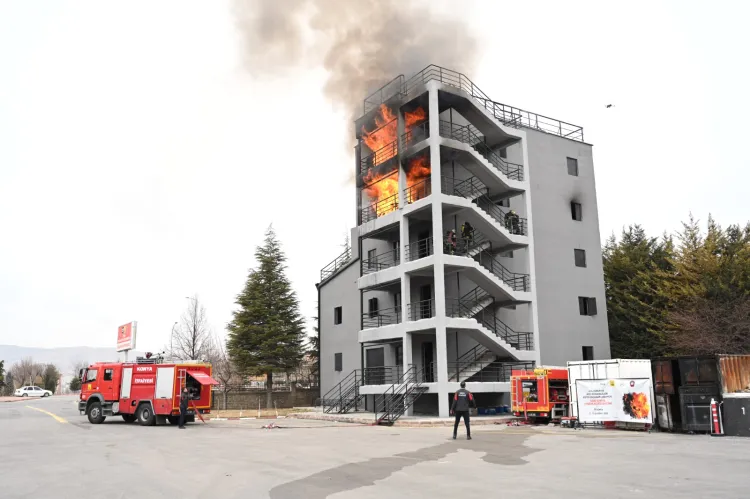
[(126, 337)]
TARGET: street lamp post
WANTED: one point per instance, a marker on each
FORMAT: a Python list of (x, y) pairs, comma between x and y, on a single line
[(171, 337)]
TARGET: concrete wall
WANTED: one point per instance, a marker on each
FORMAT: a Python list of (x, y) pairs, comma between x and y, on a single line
[(563, 331), (248, 400), (341, 290)]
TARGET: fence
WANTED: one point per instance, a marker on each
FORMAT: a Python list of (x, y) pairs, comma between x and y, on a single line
[(244, 398)]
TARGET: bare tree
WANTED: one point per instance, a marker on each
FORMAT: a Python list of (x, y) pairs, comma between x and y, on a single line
[(712, 327), (223, 369), (26, 371), (192, 338)]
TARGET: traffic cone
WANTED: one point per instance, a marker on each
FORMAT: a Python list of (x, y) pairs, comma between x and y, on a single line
[(716, 428)]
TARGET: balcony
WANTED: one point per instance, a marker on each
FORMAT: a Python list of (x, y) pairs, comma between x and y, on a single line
[(382, 317), (378, 157), (424, 309), (471, 136), (337, 264), (419, 249), (378, 209), (376, 263), (415, 134), (418, 191)]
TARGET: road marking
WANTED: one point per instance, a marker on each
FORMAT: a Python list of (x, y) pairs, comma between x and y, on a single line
[(57, 418)]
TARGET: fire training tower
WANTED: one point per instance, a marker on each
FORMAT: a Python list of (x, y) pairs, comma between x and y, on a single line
[(455, 274)]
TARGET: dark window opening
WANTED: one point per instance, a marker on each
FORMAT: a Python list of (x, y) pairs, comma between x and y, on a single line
[(337, 362), (338, 315), (505, 203), (507, 254), (573, 167), (530, 393), (580, 257), (586, 306), (588, 353), (504, 153), (371, 259), (108, 375), (372, 307), (575, 211)]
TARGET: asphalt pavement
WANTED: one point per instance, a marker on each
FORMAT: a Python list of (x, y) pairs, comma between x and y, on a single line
[(47, 450)]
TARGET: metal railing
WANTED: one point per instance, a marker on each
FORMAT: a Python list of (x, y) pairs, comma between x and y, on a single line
[(344, 395), (337, 264), (488, 319), (509, 115), (378, 157), (515, 280), (415, 134), (485, 372), (424, 309), (471, 136), (399, 397), (475, 191), (419, 249), (475, 297), (380, 262), (378, 209), (418, 191), (384, 93), (381, 317), (383, 375)]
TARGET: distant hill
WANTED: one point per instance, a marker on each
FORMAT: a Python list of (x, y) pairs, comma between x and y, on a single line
[(63, 358)]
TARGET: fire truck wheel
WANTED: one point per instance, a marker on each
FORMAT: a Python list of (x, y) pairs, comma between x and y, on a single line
[(128, 418), (146, 415), (95, 413)]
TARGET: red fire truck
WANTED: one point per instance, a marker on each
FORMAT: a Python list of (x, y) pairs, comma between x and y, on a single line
[(541, 393), (146, 390)]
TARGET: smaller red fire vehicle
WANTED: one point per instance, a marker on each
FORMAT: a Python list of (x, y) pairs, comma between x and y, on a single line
[(539, 393), (146, 390)]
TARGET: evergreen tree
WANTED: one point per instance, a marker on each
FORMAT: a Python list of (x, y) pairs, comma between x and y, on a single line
[(637, 307), (75, 384), (2, 373), (267, 332), (50, 377), (313, 349)]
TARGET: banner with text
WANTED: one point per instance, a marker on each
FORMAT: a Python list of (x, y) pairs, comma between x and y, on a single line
[(126, 336), (624, 400)]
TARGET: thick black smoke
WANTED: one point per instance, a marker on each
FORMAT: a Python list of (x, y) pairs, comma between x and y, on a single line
[(362, 44)]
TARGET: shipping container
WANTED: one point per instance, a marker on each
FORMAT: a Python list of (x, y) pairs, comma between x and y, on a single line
[(606, 369), (736, 414), (735, 373), (696, 371)]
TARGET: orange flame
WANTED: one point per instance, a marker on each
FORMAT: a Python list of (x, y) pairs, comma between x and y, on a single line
[(418, 170), (382, 188), (382, 136)]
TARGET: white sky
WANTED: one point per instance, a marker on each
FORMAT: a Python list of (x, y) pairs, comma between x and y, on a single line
[(140, 163)]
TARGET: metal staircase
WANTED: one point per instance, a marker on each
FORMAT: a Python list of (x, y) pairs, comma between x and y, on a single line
[(399, 397), (476, 300), (474, 190), (471, 363), (489, 321), (471, 136), (345, 395)]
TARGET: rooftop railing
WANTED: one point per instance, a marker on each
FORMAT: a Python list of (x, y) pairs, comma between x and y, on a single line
[(337, 264)]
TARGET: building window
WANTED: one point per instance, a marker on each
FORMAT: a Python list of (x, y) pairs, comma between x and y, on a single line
[(507, 254), (588, 353), (400, 355), (573, 167), (372, 307), (580, 257), (505, 203), (504, 153), (337, 362), (371, 261), (338, 315), (586, 306), (575, 211)]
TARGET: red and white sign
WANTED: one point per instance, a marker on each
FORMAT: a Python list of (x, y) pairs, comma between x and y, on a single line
[(126, 336), (623, 400)]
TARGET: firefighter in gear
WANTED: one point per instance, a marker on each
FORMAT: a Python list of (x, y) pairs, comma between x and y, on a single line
[(512, 222), (467, 234), (450, 242), (462, 399), (184, 398)]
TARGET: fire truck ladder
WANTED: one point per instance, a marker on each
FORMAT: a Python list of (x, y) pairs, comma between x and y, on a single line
[(182, 378)]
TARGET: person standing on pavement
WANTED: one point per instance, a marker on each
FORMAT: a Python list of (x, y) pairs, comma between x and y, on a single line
[(462, 400), (184, 397)]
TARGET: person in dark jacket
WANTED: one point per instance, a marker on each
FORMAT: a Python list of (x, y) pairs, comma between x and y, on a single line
[(184, 398), (462, 400)]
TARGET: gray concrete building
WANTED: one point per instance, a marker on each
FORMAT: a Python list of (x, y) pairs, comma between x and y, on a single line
[(477, 251)]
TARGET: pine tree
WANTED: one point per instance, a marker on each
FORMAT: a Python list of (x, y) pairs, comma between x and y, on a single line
[(637, 306), (2, 373), (267, 332)]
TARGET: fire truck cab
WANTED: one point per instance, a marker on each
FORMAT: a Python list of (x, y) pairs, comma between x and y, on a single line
[(145, 390), (539, 393)]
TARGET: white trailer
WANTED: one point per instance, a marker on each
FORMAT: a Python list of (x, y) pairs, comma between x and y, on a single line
[(606, 369)]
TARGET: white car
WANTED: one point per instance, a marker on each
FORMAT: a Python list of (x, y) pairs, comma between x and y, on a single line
[(32, 391)]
